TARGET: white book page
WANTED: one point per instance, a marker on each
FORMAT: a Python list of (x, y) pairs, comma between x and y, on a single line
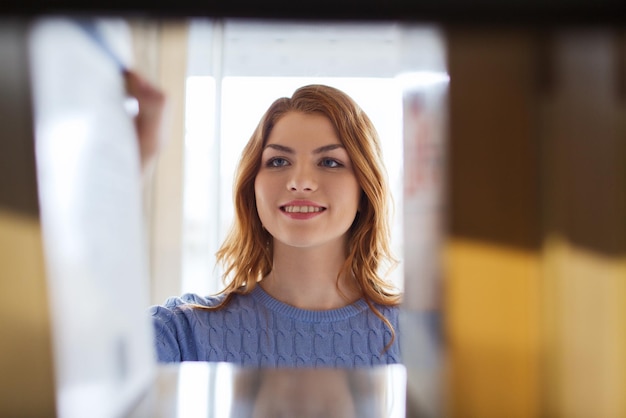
[(91, 213)]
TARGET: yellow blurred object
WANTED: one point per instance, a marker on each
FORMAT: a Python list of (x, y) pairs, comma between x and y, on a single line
[(584, 312), (26, 347), (492, 327)]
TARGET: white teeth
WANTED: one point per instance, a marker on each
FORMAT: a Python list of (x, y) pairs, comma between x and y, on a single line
[(302, 209)]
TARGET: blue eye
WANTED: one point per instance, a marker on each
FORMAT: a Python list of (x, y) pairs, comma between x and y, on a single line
[(330, 163), (277, 162)]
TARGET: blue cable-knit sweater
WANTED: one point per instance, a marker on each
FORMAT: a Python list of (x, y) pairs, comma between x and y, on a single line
[(258, 330)]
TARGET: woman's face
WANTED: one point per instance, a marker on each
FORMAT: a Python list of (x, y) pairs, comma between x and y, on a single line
[(306, 192)]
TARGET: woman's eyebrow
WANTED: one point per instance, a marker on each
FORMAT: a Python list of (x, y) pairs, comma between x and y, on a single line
[(326, 148), (280, 148), (319, 150)]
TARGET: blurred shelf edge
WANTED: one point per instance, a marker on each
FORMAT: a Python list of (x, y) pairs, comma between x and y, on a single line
[(443, 11), (214, 389)]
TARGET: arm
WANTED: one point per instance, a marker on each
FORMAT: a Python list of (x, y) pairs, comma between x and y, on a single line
[(166, 339), (149, 119)]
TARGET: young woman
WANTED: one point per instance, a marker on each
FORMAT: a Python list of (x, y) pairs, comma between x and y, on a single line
[(305, 256)]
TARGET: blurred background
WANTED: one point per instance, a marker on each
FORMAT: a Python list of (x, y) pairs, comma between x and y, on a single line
[(506, 152)]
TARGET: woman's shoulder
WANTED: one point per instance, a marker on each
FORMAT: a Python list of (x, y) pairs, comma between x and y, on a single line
[(390, 312), (188, 300), (388, 307)]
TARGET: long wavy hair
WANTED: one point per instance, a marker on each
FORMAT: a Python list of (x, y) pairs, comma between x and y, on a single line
[(247, 252)]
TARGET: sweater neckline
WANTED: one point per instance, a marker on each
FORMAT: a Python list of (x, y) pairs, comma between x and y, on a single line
[(306, 315)]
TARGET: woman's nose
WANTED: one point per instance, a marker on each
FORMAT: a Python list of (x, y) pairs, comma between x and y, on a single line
[(302, 179)]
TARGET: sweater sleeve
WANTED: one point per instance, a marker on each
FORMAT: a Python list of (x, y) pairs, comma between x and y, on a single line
[(165, 335)]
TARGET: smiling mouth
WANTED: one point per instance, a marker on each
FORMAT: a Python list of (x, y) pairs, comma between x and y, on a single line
[(302, 209)]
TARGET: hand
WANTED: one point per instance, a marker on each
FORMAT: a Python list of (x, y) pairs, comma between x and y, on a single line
[(149, 118)]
